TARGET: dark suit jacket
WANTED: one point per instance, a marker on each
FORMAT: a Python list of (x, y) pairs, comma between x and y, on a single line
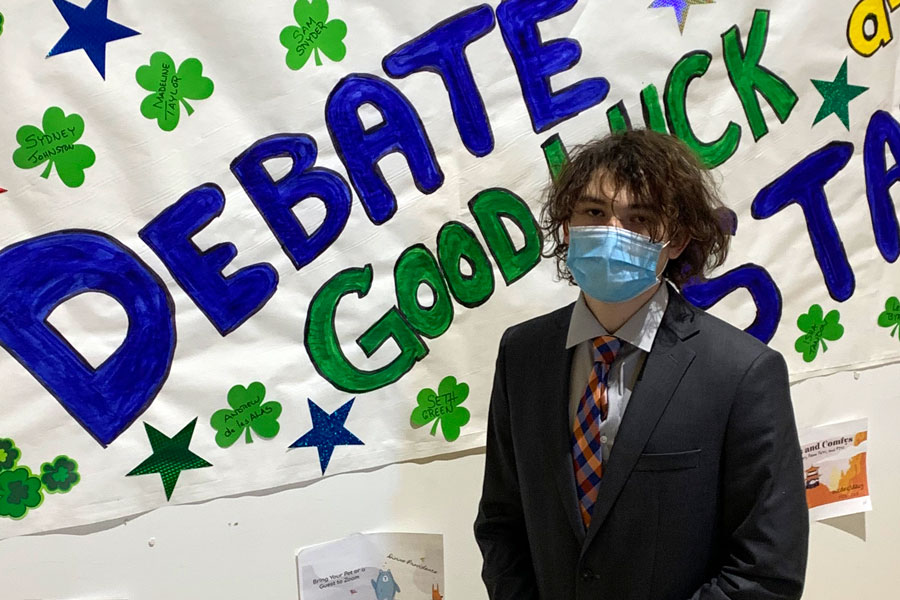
[(702, 497)]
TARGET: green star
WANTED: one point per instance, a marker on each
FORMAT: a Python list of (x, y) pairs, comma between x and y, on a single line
[(170, 456), (837, 95)]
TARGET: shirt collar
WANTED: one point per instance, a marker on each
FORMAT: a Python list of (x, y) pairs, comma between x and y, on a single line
[(639, 330)]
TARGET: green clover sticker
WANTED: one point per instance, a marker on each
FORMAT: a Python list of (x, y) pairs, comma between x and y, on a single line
[(891, 315), (444, 407), (315, 33), (248, 411), (817, 330), (55, 145), (19, 492), (171, 88), (60, 476), (9, 454)]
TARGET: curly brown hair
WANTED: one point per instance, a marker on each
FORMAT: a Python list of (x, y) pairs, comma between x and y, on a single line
[(658, 170)]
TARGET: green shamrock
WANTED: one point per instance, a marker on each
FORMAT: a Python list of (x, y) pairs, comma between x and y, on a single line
[(170, 87), (891, 315), (444, 407), (19, 491), (9, 454), (55, 144), (1, 23), (248, 411), (60, 475), (315, 32), (817, 330)]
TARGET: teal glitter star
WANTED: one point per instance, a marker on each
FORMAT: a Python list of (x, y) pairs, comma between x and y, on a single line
[(680, 7), (170, 456), (837, 95)]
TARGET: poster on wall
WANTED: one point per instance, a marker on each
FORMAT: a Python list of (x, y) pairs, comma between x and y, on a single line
[(247, 245), (374, 566), (834, 462)]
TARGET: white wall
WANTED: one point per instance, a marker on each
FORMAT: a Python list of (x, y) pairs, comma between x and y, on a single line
[(237, 548)]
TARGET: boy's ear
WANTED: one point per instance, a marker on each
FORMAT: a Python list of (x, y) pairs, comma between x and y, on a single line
[(677, 246)]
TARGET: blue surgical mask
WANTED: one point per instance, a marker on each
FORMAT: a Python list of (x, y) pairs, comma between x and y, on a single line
[(612, 264)]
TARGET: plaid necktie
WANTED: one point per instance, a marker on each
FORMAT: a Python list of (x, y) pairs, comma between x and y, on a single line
[(587, 452)]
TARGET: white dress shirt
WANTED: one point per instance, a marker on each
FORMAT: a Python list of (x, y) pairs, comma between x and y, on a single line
[(636, 334)]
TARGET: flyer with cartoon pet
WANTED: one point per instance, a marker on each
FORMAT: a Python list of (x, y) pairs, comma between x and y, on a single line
[(377, 566), (834, 463)]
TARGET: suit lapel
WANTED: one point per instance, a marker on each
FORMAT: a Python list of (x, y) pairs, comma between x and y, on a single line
[(554, 390), (665, 365)]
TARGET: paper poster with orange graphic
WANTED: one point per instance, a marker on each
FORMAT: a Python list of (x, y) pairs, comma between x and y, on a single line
[(834, 462)]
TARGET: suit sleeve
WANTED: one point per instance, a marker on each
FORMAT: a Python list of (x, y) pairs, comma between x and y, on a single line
[(765, 517), (500, 525)]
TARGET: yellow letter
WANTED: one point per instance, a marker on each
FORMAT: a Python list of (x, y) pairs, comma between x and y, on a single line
[(864, 12)]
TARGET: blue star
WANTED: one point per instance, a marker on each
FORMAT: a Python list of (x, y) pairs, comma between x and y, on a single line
[(89, 30), (327, 432), (680, 7)]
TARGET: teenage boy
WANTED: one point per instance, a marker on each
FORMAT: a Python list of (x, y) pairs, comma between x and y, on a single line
[(638, 447)]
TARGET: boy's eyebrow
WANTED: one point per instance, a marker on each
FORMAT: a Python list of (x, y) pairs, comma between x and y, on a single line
[(643, 206), (595, 199)]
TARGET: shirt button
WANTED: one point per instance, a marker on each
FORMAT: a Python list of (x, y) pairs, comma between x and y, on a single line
[(587, 574), (603, 439)]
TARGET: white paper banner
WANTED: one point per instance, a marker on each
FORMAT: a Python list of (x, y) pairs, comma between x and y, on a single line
[(212, 256)]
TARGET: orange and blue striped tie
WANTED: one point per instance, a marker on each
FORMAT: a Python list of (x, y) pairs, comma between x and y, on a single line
[(587, 451)]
